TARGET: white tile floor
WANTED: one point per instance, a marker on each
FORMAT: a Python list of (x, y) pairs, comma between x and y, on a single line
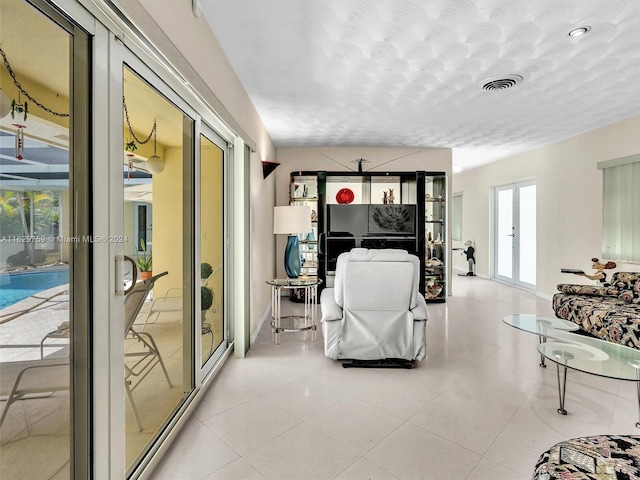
[(477, 408)]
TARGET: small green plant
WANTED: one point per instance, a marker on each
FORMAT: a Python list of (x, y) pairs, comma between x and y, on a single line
[(145, 260), (206, 298), (205, 270)]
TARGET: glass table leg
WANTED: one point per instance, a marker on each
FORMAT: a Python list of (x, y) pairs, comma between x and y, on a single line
[(562, 389), (638, 389), (542, 339)]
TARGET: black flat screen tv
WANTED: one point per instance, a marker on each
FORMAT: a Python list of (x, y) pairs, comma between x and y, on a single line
[(367, 220), (368, 226)]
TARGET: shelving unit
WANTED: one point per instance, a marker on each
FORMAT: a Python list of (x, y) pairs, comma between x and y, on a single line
[(304, 191), (435, 271), (420, 195)]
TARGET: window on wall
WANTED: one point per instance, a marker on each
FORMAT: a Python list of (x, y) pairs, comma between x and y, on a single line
[(456, 216), (621, 215)]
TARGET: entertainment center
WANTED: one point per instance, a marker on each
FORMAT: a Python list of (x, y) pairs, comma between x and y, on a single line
[(405, 210)]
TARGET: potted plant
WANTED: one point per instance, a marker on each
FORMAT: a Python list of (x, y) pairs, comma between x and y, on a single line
[(144, 261), (206, 301), (205, 271)]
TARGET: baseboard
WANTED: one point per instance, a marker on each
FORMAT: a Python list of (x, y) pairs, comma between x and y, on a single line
[(466, 270), (544, 295), (266, 315)]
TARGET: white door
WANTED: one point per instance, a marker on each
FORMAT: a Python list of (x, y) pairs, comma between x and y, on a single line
[(515, 234)]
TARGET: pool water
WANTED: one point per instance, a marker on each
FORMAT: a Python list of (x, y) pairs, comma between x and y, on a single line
[(18, 286)]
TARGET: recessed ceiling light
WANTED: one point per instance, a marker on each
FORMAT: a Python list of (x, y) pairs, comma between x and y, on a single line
[(576, 32)]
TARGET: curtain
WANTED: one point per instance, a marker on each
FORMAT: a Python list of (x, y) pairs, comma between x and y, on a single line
[(621, 215)]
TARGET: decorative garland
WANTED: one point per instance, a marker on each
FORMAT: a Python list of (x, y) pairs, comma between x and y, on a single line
[(131, 146), (19, 107)]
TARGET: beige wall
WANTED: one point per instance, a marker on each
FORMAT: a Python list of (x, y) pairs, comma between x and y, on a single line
[(262, 267), (381, 159), (569, 197)]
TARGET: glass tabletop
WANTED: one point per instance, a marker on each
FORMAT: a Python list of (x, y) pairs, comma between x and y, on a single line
[(537, 324), (592, 355), (294, 282)]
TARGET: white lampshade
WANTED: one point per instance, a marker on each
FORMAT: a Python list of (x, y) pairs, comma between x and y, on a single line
[(155, 164), (292, 219)]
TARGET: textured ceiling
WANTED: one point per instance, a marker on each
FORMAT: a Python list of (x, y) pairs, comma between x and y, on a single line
[(409, 72)]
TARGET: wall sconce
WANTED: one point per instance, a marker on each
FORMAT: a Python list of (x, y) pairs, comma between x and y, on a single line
[(268, 167)]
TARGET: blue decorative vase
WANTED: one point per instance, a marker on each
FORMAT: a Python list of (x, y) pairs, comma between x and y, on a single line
[(292, 257)]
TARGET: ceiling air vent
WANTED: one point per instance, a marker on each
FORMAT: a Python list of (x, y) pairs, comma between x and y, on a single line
[(501, 83)]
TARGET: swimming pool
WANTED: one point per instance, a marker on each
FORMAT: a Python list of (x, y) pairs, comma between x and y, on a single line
[(20, 285)]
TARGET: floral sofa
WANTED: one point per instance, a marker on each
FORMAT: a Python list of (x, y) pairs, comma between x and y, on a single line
[(602, 457), (611, 312)]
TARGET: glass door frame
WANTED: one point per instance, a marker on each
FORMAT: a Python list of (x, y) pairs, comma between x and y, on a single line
[(98, 425), (205, 130), (80, 30), (123, 57), (515, 221), (129, 61)]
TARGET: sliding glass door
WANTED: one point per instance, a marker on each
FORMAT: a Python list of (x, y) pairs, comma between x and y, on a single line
[(156, 165), (173, 213), (44, 250), (213, 327), (515, 234)]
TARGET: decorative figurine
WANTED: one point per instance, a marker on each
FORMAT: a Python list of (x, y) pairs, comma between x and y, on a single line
[(385, 199), (599, 273), (391, 198), (471, 258)]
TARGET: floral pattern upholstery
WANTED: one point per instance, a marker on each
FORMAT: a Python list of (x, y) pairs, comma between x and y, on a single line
[(610, 313), (603, 457), (628, 284)]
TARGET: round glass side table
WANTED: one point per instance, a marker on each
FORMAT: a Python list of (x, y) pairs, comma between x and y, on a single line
[(295, 323)]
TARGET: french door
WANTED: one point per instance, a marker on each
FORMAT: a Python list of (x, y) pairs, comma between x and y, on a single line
[(514, 236)]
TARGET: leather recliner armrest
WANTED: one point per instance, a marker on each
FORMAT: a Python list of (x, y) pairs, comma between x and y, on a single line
[(420, 310), (330, 309)]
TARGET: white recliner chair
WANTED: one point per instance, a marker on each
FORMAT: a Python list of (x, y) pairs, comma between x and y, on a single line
[(375, 315)]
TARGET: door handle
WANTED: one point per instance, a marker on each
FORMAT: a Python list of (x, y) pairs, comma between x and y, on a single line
[(511, 235), (121, 291)]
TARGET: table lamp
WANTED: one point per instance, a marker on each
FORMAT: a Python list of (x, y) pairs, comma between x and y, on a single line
[(292, 220)]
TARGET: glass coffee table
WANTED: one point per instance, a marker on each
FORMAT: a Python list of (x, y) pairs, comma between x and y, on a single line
[(579, 352), (539, 325)]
